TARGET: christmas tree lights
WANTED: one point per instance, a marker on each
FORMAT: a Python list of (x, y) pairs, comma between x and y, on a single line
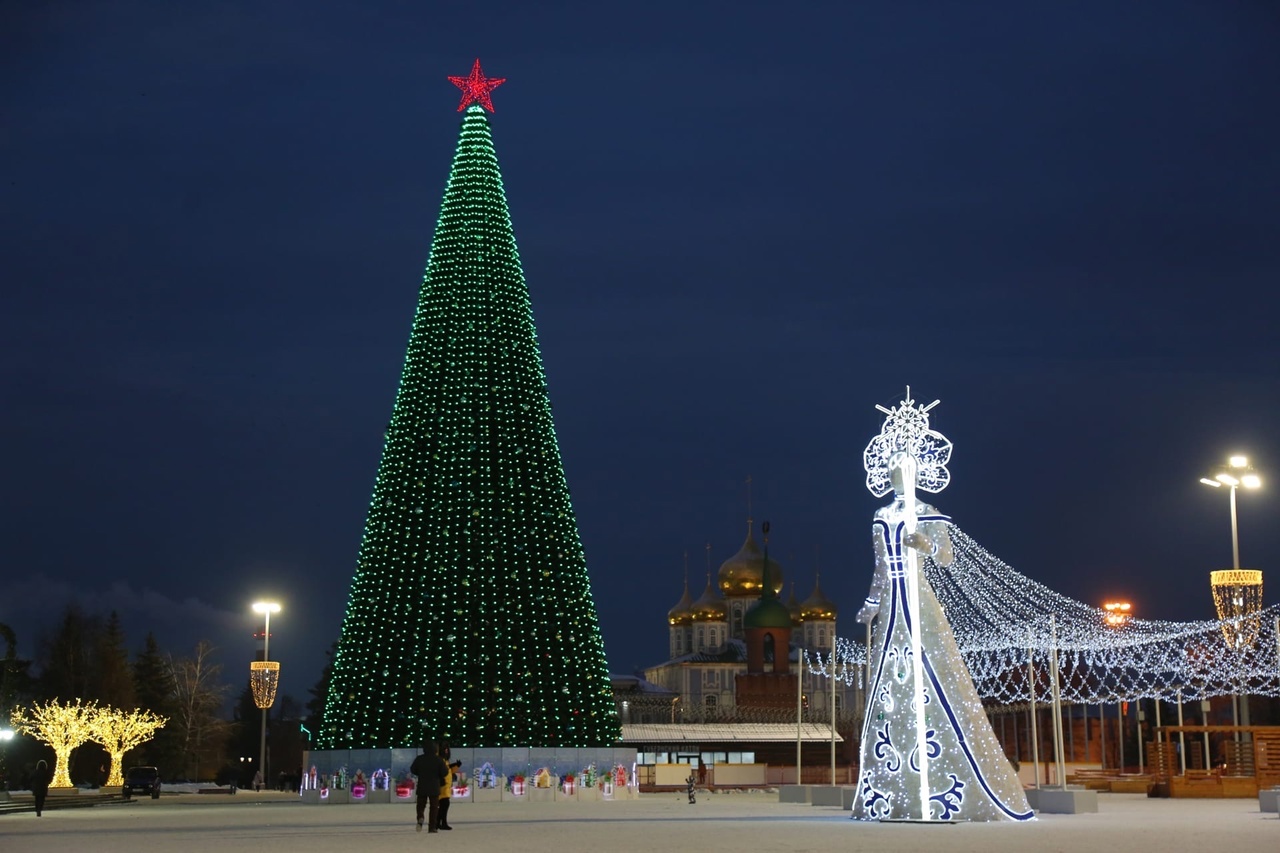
[(470, 616), (120, 731), (63, 726)]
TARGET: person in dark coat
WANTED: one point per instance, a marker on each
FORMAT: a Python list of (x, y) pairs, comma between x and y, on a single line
[(431, 772), (40, 780)]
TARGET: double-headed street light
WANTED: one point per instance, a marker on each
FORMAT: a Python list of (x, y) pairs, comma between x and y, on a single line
[(1237, 473), (264, 678), (1236, 592)]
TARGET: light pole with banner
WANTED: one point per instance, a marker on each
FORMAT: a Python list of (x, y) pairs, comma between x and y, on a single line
[(264, 678)]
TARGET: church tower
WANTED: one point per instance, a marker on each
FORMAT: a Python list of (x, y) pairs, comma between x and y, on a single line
[(768, 681)]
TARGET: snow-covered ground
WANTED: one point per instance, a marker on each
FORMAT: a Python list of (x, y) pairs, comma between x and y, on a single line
[(194, 823)]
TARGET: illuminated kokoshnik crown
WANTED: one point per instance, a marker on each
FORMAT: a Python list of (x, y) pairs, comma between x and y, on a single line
[(906, 430)]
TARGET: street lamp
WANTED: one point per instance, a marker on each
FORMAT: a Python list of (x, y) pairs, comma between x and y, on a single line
[(1115, 614), (1235, 585), (1238, 472), (264, 678), (6, 735)]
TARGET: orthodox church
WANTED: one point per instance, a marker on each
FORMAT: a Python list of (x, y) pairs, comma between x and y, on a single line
[(734, 657)]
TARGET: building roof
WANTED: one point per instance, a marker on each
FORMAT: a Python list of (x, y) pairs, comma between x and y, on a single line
[(707, 733), (626, 685)]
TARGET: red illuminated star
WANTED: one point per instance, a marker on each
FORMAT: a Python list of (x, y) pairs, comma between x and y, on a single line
[(476, 87)]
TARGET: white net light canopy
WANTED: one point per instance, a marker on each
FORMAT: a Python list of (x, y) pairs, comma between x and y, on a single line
[(1000, 617)]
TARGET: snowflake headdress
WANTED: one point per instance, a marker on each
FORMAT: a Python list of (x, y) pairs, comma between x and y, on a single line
[(906, 430)]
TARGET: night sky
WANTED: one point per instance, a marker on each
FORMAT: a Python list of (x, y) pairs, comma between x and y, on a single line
[(743, 226)]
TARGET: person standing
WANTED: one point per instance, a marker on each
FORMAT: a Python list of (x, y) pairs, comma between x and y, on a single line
[(446, 790), (431, 772), (40, 780)]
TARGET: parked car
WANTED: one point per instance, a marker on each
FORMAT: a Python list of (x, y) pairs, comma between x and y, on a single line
[(142, 780)]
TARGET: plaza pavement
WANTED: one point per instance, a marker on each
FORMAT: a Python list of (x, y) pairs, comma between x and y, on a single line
[(278, 823)]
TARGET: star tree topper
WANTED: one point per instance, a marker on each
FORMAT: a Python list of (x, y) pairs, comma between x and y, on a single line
[(906, 429), (476, 87)]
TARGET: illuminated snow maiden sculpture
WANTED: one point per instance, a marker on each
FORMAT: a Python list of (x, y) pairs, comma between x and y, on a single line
[(928, 751)]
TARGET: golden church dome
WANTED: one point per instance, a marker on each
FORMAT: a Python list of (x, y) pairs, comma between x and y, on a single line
[(682, 613), (743, 573), (710, 607), (818, 607)]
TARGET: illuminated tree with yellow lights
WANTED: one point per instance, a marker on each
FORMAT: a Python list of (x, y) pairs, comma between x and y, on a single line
[(120, 731), (61, 726)]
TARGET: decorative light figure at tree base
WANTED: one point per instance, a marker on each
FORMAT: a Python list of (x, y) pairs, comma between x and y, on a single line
[(928, 750)]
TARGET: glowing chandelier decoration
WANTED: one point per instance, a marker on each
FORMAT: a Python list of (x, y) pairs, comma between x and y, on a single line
[(264, 678), (1237, 595), (993, 609), (1116, 614)]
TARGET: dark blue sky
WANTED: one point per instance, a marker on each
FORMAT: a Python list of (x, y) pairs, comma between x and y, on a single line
[(743, 225)]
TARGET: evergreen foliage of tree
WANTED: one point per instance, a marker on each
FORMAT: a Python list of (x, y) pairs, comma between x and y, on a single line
[(320, 692), (66, 667), (156, 692), (243, 739), (470, 616), (15, 675), (112, 680)]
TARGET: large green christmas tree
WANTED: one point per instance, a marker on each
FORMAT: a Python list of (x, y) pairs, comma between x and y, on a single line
[(471, 617)]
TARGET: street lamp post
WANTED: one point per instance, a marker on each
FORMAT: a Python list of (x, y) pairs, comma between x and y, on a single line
[(1237, 473), (265, 695), (6, 735), (1115, 615)]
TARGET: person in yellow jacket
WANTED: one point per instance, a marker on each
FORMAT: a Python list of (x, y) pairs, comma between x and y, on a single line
[(446, 790)]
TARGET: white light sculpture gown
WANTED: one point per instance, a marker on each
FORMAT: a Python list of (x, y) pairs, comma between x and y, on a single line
[(966, 774)]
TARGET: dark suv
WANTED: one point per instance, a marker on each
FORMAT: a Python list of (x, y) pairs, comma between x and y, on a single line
[(142, 780)]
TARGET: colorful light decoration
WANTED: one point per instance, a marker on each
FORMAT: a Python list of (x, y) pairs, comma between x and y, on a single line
[(120, 731), (1237, 596), (993, 609), (63, 726), (1116, 614), (264, 679), (476, 88), (470, 616)]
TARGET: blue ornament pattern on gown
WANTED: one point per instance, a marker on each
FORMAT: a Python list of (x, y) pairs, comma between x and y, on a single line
[(877, 804), (950, 799), (886, 752), (932, 747), (970, 778)]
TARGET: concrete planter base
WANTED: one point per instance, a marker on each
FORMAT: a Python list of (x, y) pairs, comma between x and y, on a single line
[(840, 796), (795, 793), (1063, 800)]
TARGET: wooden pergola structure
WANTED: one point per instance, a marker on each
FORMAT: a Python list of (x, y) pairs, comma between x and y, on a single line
[(1238, 761)]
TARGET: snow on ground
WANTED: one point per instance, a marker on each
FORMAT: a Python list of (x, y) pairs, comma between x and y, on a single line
[(193, 823)]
